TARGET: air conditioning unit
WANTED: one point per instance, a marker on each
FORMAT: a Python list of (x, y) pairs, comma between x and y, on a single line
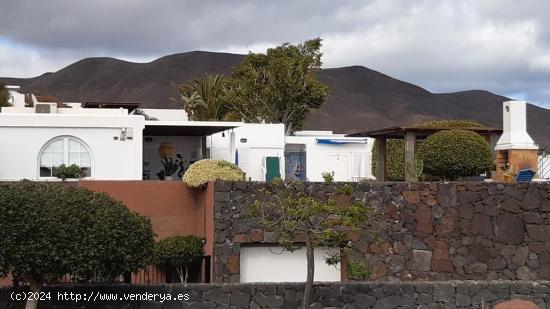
[(45, 108)]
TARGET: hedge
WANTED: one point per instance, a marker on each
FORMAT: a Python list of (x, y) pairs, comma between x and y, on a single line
[(396, 147), (452, 154)]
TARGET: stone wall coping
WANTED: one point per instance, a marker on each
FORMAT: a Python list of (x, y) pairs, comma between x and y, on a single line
[(322, 283), (545, 182)]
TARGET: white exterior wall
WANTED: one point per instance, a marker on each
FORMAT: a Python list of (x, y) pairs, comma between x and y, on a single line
[(320, 156), (262, 140), (15, 98), (273, 264), (75, 110), (22, 137)]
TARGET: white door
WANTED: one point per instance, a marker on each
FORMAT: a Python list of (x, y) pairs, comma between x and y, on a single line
[(273, 264), (339, 165)]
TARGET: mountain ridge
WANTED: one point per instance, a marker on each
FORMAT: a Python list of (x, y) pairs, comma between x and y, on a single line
[(360, 99)]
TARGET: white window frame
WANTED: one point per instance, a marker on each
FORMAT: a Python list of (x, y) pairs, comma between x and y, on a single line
[(65, 139)]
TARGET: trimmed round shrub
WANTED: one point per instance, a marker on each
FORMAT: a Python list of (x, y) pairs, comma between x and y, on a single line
[(455, 153), (203, 171), (178, 252), (396, 147)]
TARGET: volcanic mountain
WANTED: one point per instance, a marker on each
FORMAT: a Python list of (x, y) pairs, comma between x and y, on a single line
[(360, 98)]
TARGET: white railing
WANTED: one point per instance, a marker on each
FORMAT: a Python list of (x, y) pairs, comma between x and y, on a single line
[(544, 165)]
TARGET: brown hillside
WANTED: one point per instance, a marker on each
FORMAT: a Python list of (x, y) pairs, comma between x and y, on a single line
[(360, 98)]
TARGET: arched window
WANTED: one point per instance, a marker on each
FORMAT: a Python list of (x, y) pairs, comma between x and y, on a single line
[(64, 150)]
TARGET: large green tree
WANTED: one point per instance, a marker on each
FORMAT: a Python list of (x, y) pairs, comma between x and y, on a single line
[(279, 86), (320, 222), (204, 99), (50, 230), (4, 95)]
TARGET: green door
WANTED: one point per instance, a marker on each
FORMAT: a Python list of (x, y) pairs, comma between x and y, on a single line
[(272, 168)]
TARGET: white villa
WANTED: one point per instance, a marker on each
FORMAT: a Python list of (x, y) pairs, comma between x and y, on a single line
[(120, 141)]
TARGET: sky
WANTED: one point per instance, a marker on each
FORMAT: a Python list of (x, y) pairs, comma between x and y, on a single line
[(502, 46)]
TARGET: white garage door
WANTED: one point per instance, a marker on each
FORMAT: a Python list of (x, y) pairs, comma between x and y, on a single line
[(273, 264)]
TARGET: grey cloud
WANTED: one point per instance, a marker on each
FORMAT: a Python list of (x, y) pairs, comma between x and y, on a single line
[(442, 45), (157, 27)]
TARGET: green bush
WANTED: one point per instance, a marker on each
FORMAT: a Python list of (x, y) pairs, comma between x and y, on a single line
[(414, 169), (328, 177), (178, 252), (358, 270), (455, 153), (450, 124), (395, 149), (71, 171), (203, 171), (49, 230)]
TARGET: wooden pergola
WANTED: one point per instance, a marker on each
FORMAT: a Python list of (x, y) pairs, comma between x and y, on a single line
[(411, 134)]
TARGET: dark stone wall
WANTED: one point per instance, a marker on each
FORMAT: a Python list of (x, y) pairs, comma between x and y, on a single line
[(377, 295), (425, 231)]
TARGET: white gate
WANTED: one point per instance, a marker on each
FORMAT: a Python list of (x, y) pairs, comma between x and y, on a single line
[(544, 165), (338, 164)]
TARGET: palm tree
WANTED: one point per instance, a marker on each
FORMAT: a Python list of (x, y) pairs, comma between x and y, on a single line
[(192, 102), (204, 99), (4, 95)]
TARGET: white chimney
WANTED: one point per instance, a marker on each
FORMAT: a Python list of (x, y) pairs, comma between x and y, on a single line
[(514, 125), (15, 98)]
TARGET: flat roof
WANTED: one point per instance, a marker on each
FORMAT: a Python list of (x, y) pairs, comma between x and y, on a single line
[(130, 106), (400, 131), (187, 128)]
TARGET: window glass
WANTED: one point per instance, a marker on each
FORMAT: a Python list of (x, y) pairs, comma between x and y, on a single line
[(64, 150)]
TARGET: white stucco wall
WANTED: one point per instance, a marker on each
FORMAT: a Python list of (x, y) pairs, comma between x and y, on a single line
[(264, 140), (319, 157), (254, 142), (15, 98), (22, 137)]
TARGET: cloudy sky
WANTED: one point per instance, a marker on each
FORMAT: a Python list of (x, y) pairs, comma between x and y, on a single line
[(444, 46)]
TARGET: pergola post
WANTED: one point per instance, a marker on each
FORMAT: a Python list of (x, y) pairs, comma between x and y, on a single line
[(493, 139), (410, 145), (381, 158)]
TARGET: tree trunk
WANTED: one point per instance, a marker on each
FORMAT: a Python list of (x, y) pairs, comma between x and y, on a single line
[(186, 273), (180, 273), (288, 128), (310, 271), (32, 301)]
